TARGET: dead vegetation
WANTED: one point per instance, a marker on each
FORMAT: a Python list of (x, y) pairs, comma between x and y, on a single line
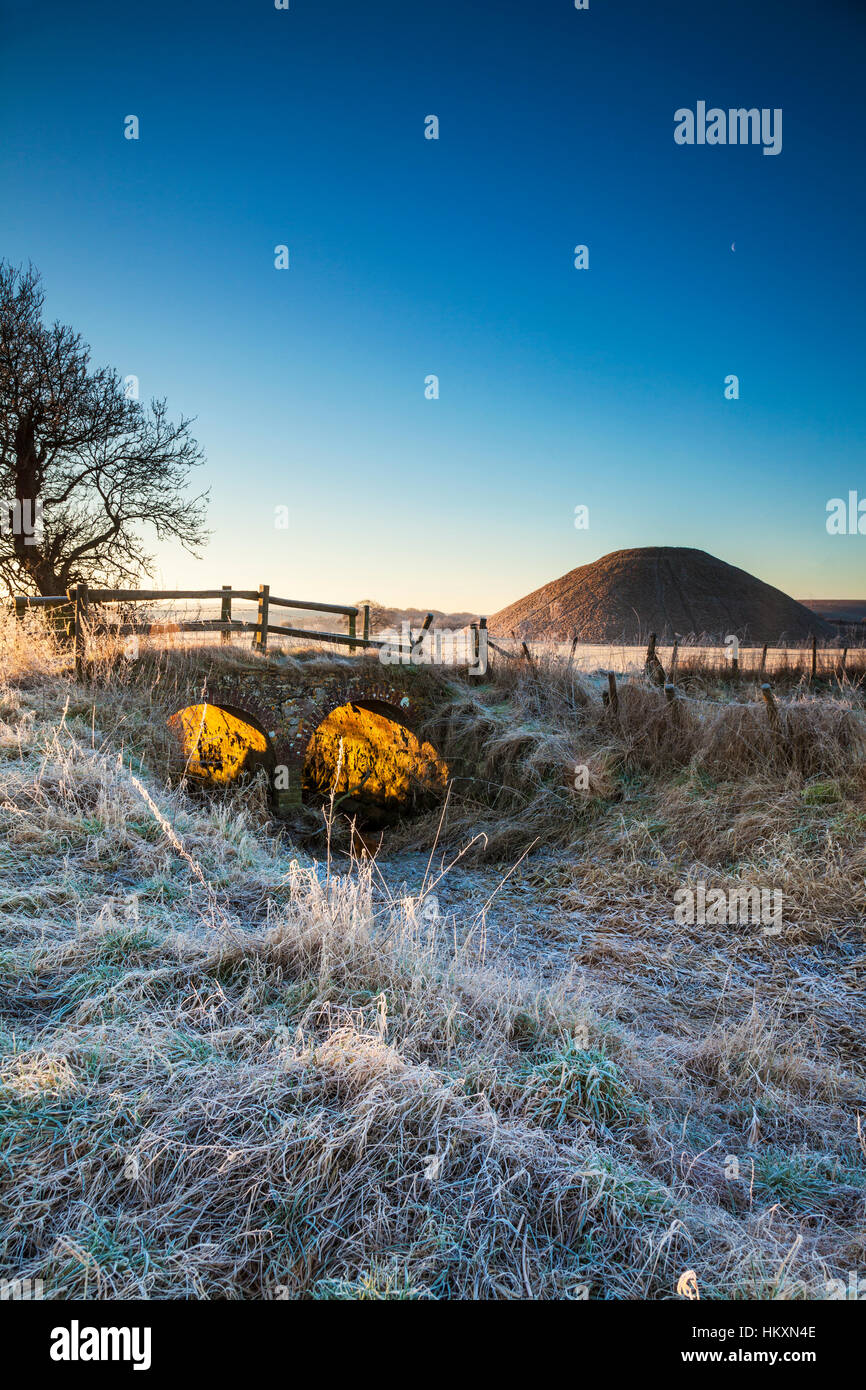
[(227, 1070)]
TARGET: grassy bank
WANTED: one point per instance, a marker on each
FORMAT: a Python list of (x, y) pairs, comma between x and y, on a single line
[(229, 1068)]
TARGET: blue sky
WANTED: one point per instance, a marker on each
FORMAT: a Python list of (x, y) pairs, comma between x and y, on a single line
[(454, 257)]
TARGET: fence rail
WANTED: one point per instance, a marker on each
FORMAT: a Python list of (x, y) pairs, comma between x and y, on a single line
[(23, 601)]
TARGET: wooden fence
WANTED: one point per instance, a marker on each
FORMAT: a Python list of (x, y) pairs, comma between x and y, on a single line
[(78, 617), (78, 601)]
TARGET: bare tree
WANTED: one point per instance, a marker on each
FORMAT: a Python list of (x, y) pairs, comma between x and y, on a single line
[(82, 467)]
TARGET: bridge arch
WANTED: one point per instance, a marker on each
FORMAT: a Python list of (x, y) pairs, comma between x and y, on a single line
[(219, 737), (313, 707), (288, 708)]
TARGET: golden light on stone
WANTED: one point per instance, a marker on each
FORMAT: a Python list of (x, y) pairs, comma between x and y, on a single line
[(383, 762), (216, 745)]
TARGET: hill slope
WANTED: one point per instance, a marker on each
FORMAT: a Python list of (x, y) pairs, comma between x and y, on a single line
[(669, 590)]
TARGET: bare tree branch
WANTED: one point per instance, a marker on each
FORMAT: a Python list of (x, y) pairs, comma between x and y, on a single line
[(98, 465)]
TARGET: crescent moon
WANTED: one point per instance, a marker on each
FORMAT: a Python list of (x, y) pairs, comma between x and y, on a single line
[(733, 246)]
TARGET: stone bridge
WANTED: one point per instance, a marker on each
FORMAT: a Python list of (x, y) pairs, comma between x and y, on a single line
[(286, 705)]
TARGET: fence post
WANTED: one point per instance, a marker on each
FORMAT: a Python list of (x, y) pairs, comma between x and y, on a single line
[(772, 707), (780, 733), (78, 596), (652, 665), (612, 695), (260, 642), (226, 613), (20, 606), (482, 649), (763, 660), (352, 630), (366, 623), (814, 655)]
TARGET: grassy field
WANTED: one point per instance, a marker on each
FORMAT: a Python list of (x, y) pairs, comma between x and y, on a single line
[(235, 1062)]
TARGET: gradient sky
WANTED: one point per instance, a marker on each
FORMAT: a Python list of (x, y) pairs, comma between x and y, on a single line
[(455, 257)]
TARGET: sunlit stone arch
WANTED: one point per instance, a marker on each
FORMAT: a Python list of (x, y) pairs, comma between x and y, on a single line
[(286, 714)]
